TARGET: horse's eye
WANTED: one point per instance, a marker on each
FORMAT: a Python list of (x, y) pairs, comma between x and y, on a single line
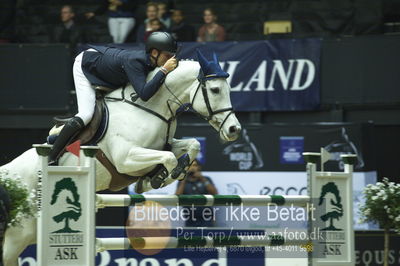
[(215, 90)]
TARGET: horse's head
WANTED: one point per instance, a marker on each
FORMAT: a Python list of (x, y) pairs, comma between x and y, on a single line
[(211, 99)]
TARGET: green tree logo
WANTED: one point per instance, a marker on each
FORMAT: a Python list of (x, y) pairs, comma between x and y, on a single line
[(334, 210), (66, 192)]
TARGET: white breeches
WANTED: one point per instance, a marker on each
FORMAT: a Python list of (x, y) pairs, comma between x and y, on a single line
[(86, 95), (120, 28)]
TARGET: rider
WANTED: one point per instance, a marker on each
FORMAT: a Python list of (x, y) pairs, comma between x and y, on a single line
[(110, 68)]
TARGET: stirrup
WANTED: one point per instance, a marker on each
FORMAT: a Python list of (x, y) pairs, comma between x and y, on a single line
[(159, 177)]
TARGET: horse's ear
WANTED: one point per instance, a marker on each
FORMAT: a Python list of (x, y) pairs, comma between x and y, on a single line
[(215, 57), (202, 60)]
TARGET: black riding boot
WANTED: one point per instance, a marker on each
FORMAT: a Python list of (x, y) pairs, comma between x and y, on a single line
[(70, 130)]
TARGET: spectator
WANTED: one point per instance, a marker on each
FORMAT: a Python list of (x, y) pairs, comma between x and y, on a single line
[(155, 25), (121, 17), (211, 31), (151, 14), (179, 29), (196, 183), (68, 31), (163, 14)]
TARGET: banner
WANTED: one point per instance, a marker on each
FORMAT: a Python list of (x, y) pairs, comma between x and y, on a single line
[(273, 75)]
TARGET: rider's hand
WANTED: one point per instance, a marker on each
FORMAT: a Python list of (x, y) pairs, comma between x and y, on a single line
[(171, 64)]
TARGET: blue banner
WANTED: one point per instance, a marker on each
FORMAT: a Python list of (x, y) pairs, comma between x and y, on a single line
[(273, 75)]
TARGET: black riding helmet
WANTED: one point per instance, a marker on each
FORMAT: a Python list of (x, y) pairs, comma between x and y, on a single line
[(162, 41)]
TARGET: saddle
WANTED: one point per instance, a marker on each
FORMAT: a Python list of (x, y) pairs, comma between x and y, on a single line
[(91, 134)]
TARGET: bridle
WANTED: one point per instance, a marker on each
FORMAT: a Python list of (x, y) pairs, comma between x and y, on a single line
[(211, 113)]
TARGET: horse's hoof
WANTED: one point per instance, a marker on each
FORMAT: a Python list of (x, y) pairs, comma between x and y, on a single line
[(158, 179), (156, 182), (183, 162)]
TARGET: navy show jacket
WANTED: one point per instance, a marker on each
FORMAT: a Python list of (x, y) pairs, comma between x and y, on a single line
[(114, 67)]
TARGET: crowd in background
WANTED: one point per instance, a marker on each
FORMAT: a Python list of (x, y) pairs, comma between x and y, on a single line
[(122, 23), (130, 21)]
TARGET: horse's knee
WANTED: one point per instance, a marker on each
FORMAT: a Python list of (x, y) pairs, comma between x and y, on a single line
[(170, 161), (195, 145), (194, 148)]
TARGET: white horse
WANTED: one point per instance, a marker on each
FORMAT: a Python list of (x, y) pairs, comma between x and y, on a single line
[(135, 138)]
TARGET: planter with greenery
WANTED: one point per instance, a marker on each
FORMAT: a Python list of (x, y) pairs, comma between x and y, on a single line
[(382, 206), (23, 201)]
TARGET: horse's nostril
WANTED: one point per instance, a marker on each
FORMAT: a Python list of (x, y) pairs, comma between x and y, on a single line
[(232, 129)]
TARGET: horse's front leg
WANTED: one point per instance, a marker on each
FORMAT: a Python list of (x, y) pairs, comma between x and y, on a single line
[(184, 149), (140, 160)]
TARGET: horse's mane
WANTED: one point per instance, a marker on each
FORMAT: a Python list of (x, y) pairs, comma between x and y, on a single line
[(186, 70)]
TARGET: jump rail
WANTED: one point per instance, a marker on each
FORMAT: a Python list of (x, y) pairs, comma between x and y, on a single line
[(109, 200)]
